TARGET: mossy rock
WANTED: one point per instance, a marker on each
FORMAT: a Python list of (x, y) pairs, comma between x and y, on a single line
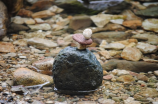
[(75, 7)]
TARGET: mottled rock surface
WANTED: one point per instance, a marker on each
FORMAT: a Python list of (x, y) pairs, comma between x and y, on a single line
[(76, 70)]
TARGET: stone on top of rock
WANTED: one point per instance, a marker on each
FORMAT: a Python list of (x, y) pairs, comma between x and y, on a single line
[(76, 70), (81, 39)]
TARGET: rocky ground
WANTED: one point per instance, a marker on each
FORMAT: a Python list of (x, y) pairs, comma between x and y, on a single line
[(125, 43)]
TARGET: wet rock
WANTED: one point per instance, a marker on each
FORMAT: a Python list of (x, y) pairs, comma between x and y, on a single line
[(6, 47), (3, 19), (43, 14), (44, 66), (150, 24), (111, 36), (13, 28), (132, 23), (27, 77), (44, 26), (106, 101), (24, 13), (132, 54), (140, 66), (76, 70), (146, 48), (126, 78), (80, 22), (149, 12), (115, 46), (41, 43)]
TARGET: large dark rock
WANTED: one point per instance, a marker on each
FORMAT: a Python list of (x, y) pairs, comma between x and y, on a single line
[(140, 66), (76, 71)]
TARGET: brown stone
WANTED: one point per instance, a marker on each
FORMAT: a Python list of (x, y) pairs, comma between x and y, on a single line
[(139, 66), (130, 53), (43, 14), (24, 13), (126, 78), (27, 77), (41, 5), (80, 22), (132, 23), (6, 47)]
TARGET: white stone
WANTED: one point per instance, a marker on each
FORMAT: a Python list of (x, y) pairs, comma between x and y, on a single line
[(87, 33), (150, 24), (55, 9), (130, 100), (117, 21), (106, 101), (43, 26), (18, 20), (119, 72), (101, 20), (146, 48), (39, 20), (29, 21), (114, 45), (41, 43)]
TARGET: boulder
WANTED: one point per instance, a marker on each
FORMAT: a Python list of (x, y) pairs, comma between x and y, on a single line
[(76, 71), (140, 66)]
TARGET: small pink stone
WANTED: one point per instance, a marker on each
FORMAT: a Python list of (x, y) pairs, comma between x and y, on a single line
[(81, 39), (107, 77)]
